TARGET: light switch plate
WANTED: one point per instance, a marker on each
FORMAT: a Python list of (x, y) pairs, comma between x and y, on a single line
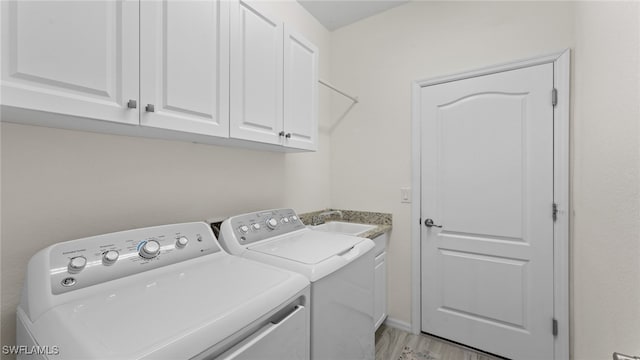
[(405, 194)]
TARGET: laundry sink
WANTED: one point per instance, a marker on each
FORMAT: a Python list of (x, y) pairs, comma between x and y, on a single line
[(344, 227)]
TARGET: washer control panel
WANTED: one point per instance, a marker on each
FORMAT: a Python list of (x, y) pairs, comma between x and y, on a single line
[(84, 262), (252, 227)]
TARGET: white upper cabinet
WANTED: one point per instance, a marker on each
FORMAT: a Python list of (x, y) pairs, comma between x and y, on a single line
[(77, 58), (300, 91), (194, 70), (256, 73), (184, 62), (274, 81)]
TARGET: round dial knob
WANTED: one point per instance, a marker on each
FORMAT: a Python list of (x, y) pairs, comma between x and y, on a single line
[(76, 264), (110, 257), (256, 226), (294, 218), (272, 223), (244, 229), (150, 249), (182, 241), (285, 220)]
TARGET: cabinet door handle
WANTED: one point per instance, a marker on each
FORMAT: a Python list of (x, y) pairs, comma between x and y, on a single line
[(150, 108), (132, 104), (288, 135), (281, 133)]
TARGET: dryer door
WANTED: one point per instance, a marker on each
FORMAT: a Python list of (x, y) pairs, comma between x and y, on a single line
[(284, 339)]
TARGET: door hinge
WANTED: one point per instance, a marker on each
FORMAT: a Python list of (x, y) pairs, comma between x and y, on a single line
[(554, 211), (554, 327), (554, 97)]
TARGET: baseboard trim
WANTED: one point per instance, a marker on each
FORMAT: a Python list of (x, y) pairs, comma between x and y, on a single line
[(398, 324)]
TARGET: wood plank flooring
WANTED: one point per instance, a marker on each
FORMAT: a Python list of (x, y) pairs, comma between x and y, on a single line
[(390, 343)]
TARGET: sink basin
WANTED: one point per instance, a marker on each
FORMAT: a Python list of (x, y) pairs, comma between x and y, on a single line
[(343, 227)]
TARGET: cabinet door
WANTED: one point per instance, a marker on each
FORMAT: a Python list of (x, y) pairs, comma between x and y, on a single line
[(184, 66), (300, 92), (256, 70), (380, 290), (76, 58)]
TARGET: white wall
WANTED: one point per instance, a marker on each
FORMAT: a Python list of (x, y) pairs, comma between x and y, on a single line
[(60, 185), (376, 59), (606, 186)]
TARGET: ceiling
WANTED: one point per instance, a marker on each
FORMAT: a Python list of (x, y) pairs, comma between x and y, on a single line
[(334, 14)]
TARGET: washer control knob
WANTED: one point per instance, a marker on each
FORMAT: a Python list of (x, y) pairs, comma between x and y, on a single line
[(110, 257), (256, 226), (244, 229), (181, 242), (285, 220), (76, 264), (272, 223), (294, 218), (150, 249)]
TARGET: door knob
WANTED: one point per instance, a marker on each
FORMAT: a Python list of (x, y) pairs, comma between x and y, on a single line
[(429, 223), (150, 108), (132, 104)]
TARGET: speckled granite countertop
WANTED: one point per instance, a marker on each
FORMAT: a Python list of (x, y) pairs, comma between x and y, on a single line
[(383, 220)]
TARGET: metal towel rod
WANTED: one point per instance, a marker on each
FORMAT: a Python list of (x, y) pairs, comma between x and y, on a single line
[(353, 98)]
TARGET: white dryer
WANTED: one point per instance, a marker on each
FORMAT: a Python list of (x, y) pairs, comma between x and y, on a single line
[(340, 268), (165, 292)]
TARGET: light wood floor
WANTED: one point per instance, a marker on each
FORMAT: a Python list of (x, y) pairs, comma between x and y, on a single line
[(390, 343)]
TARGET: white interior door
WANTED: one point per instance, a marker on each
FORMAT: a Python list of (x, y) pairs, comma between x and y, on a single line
[(184, 62), (487, 179)]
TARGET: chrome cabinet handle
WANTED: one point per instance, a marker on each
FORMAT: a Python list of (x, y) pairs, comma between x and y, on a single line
[(132, 104), (150, 108), (288, 135), (281, 133), (429, 223)]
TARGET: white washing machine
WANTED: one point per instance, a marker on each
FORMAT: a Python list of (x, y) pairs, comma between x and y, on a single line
[(340, 268), (165, 292)]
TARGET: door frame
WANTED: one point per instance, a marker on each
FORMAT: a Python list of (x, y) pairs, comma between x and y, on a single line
[(561, 177)]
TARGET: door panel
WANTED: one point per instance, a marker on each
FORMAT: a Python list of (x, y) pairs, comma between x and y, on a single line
[(487, 179), (256, 67), (470, 203), (71, 57), (473, 282), (184, 66)]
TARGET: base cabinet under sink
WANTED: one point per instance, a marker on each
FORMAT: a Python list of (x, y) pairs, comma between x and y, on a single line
[(380, 280)]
